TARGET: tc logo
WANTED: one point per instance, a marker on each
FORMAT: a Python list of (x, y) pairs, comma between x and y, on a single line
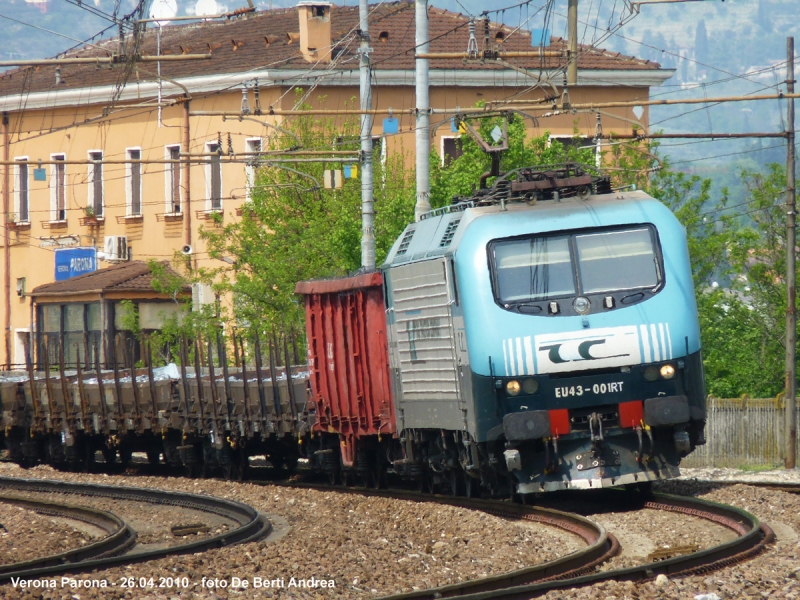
[(557, 357)]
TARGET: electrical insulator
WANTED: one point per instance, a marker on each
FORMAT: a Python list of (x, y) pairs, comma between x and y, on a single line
[(257, 94), (245, 105), (472, 44)]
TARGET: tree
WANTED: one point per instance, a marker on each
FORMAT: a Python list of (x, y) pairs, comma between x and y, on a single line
[(701, 42), (460, 176), (293, 230)]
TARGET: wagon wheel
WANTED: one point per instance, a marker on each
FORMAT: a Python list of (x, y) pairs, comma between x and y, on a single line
[(110, 456), (205, 469), (88, 459), (154, 457), (333, 477), (243, 465)]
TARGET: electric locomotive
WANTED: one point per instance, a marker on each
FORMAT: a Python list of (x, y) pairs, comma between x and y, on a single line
[(543, 333)]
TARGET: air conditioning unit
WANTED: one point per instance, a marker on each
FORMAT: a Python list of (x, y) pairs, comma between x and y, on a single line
[(116, 247)]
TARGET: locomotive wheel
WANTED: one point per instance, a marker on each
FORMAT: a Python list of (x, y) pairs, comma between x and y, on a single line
[(456, 482), (153, 457), (471, 486)]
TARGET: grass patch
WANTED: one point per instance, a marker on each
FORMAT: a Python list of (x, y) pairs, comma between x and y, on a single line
[(757, 468)]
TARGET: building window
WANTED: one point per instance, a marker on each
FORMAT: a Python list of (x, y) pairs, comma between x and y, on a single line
[(251, 145), (96, 183), (213, 177), (173, 173), (21, 191), (134, 191), (451, 149), (58, 189)]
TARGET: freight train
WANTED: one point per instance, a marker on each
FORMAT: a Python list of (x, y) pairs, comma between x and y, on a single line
[(539, 335)]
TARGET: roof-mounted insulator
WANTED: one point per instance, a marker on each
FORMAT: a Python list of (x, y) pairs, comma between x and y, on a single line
[(257, 94), (245, 105), (565, 103), (598, 129), (219, 143), (58, 75), (230, 145), (472, 44)]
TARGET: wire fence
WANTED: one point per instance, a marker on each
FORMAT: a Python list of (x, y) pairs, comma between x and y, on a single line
[(741, 432)]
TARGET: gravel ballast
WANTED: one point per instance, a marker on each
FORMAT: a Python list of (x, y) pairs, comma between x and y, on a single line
[(26, 535), (367, 546)]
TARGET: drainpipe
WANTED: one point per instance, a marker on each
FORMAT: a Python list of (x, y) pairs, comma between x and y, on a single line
[(187, 180), (7, 243), (33, 342)]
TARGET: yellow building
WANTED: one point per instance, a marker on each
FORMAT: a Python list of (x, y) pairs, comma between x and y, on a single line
[(88, 124)]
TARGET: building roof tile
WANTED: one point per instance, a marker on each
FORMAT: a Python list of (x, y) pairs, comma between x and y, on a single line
[(126, 276), (262, 42)]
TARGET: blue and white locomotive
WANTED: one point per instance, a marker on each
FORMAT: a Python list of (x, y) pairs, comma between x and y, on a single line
[(544, 333)]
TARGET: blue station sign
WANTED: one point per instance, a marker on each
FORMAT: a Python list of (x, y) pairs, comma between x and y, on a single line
[(72, 262)]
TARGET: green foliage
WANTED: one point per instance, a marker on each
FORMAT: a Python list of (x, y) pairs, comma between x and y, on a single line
[(460, 176), (293, 230), (165, 343), (740, 356), (741, 352)]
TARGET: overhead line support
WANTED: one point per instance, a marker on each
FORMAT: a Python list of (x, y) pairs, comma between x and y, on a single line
[(365, 96), (791, 269)]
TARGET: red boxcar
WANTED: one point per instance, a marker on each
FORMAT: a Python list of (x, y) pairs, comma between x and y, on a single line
[(348, 357)]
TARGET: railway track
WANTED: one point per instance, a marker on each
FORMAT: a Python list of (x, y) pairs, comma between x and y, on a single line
[(252, 525), (579, 568), (119, 536), (752, 537)]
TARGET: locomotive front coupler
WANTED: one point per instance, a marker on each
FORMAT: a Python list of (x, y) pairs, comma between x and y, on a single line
[(596, 433)]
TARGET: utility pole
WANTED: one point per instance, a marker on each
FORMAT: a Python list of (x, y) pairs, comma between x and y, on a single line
[(7, 241), (367, 210), (791, 239), (572, 42), (423, 122)]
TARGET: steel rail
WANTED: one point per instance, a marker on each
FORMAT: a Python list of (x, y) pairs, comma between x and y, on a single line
[(753, 538), (775, 486), (578, 569), (253, 525), (119, 538), (601, 545)]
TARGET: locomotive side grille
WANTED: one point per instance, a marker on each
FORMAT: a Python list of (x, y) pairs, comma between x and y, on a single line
[(405, 242), (449, 233), (425, 339)]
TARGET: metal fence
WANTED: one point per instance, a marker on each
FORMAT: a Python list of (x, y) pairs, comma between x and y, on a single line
[(741, 432)]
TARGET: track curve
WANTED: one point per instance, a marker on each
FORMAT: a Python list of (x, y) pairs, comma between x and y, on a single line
[(119, 538), (753, 536), (253, 525)]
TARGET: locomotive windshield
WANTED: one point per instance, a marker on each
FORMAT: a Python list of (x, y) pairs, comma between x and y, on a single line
[(542, 267)]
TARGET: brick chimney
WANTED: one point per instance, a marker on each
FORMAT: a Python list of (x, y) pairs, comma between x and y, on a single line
[(315, 30)]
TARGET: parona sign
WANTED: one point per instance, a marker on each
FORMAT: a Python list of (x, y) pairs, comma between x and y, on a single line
[(75, 261)]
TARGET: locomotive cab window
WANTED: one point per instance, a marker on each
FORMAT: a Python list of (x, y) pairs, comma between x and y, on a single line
[(616, 260), (534, 268), (540, 268)]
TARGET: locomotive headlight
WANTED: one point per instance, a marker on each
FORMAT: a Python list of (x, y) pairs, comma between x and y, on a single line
[(581, 305), (651, 373), (530, 385), (513, 387), (667, 371)]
